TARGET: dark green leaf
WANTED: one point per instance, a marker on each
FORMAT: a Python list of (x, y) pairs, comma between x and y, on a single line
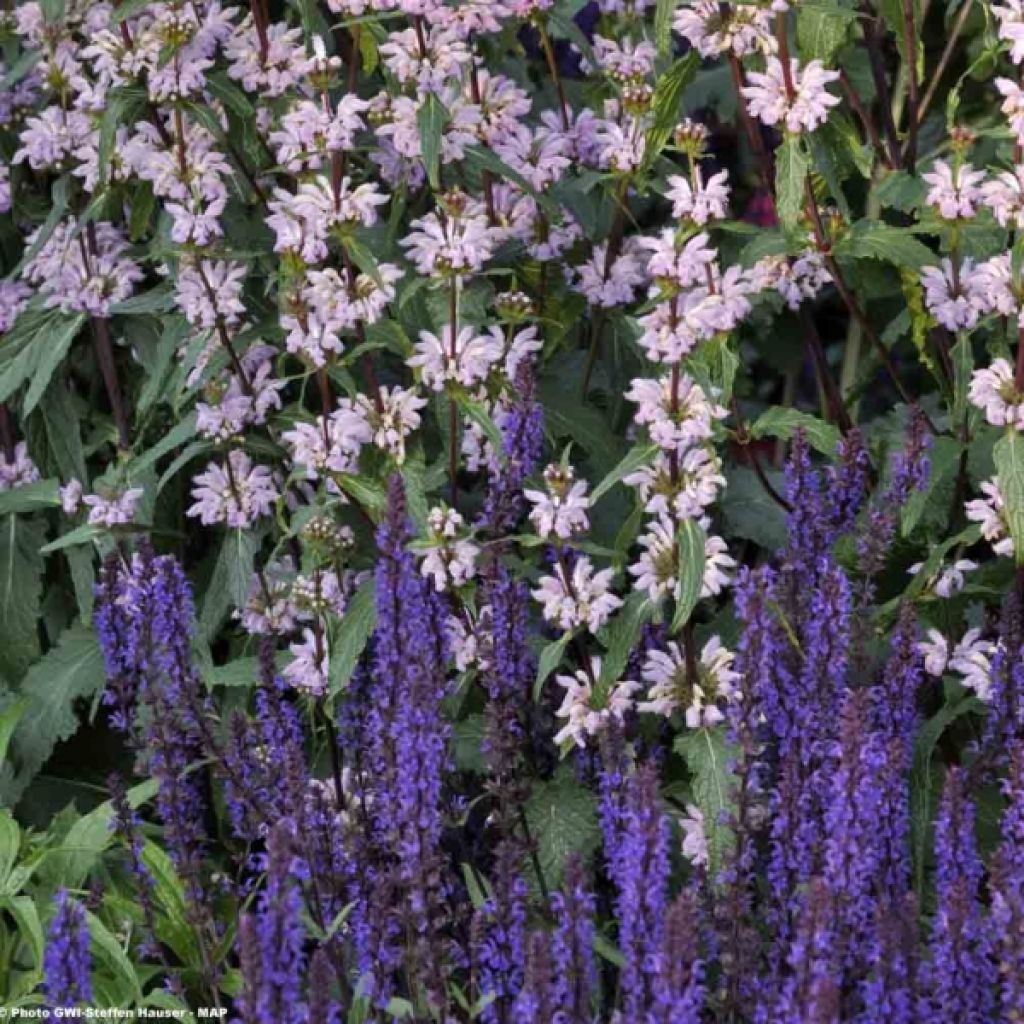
[(562, 816), (29, 497), (229, 583), (707, 756), (21, 570), (639, 455), (876, 241), (780, 421), (550, 659), (64, 675), (352, 635)]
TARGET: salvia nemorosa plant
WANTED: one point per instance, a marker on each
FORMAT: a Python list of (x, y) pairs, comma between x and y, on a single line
[(513, 510)]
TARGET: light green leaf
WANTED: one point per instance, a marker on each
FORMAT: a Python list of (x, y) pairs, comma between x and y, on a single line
[(690, 539), (791, 167), (109, 955), (1008, 455), (663, 12), (431, 119), (665, 104), (821, 30), (25, 913)]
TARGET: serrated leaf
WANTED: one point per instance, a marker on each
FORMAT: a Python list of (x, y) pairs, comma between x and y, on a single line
[(791, 167), (53, 348), (352, 634), (1008, 455), (876, 241), (665, 104), (562, 816), (229, 582), (431, 119), (178, 434), (780, 421), (69, 672), (58, 207), (707, 757), (690, 540)]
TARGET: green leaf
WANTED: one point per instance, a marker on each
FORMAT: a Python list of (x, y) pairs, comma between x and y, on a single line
[(58, 207), (944, 461), (707, 756), (566, 416), (901, 191), (781, 421), (431, 119), (821, 30), (172, 919), (25, 913), (750, 512), (875, 241), (29, 497), (467, 745), (229, 582), (70, 863), (350, 637), (490, 161), (478, 413), (550, 659), (21, 570), (562, 816), (620, 637), (791, 167), (177, 435), (921, 796), (235, 101), (53, 348), (639, 455), (9, 719), (108, 954), (1008, 455), (10, 843), (663, 12), (67, 673), (668, 95), (690, 540), (62, 425), (83, 534)]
